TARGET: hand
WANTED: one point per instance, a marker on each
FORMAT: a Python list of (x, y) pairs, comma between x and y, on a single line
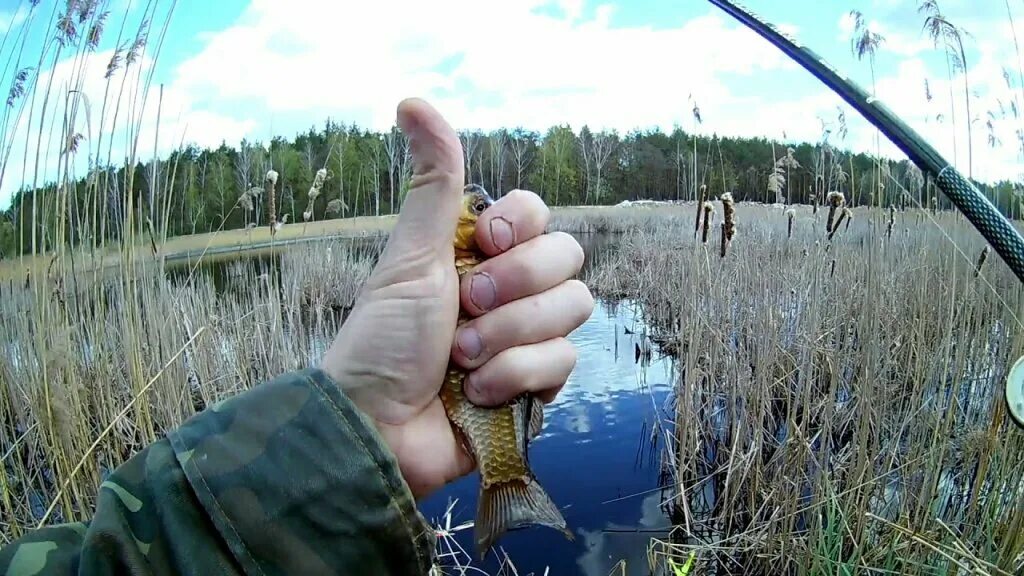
[(392, 352)]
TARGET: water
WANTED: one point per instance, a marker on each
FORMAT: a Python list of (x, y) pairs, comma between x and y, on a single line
[(598, 457)]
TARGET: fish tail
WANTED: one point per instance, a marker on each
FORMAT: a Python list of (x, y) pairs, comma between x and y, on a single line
[(514, 504)]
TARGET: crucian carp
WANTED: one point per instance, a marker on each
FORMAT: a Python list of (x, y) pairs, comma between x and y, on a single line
[(510, 496)]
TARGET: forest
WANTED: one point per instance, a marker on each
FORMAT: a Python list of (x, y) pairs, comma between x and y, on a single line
[(363, 172)]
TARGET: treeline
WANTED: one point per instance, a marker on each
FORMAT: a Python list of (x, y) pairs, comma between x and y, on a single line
[(362, 172)]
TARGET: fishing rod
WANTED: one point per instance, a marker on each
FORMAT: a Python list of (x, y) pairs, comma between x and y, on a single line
[(992, 225)]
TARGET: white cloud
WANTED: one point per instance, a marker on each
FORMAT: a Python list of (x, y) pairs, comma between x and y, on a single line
[(533, 69)]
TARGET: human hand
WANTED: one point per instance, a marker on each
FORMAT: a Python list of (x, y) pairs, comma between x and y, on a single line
[(392, 352)]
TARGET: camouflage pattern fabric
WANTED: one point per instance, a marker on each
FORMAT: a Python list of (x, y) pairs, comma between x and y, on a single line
[(286, 478)]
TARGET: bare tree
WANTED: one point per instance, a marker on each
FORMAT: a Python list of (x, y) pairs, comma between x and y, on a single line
[(521, 155), (470, 147), (497, 144), (595, 149), (247, 165), (393, 150), (585, 139), (604, 144), (377, 161), (340, 141)]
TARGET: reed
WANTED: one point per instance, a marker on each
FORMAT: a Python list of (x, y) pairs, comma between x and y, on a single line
[(839, 408)]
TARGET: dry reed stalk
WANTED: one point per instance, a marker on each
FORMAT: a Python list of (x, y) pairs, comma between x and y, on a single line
[(892, 221), (849, 217), (709, 211), (790, 214), (728, 221), (835, 201)]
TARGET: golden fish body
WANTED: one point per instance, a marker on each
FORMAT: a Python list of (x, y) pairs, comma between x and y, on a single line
[(510, 496)]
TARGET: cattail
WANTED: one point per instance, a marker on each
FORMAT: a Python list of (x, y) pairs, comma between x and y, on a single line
[(833, 272), (981, 261), (847, 215), (728, 221), (790, 214), (835, 201), (270, 183), (314, 191), (709, 211), (700, 207), (892, 221)]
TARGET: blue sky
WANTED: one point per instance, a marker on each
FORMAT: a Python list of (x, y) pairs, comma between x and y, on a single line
[(234, 69)]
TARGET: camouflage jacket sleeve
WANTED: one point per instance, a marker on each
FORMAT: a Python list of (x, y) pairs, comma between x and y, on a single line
[(286, 478)]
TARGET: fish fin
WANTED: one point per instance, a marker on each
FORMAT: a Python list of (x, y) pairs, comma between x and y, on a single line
[(528, 413), (514, 504), (536, 417)]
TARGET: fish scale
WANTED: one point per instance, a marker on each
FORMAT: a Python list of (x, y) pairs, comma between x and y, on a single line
[(509, 495)]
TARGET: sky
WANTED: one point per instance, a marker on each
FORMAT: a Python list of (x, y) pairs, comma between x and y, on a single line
[(255, 69)]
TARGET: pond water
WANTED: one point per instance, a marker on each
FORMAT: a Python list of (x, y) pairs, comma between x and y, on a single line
[(599, 455)]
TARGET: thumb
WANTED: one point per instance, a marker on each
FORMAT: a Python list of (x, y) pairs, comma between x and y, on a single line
[(430, 211)]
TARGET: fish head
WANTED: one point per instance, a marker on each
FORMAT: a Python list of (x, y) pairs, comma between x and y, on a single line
[(474, 201)]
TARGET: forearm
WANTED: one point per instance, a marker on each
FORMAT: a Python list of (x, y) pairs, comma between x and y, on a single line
[(286, 478)]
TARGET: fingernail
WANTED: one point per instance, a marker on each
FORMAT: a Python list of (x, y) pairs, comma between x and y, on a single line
[(475, 393), (502, 233), (469, 342), (482, 291)]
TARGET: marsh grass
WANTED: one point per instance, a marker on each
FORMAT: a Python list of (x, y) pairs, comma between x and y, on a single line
[(839, 408), (172, 342)]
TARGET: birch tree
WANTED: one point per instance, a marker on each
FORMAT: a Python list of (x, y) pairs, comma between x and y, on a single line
[(521, 154)]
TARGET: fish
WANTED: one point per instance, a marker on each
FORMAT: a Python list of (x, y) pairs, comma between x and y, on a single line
[(509, 496)]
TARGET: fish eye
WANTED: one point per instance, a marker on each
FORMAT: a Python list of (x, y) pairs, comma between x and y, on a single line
[(479, 207)]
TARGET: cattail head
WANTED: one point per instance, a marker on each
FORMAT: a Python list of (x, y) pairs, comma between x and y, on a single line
[(709, 211), (834, 200), (270, 183), (981, 260), (728, 221), (700, 208)]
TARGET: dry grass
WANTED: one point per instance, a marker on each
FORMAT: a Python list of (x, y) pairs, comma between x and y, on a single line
[(163, 345), (840, 406)]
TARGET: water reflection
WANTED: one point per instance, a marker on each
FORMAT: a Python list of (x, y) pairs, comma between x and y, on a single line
[(598, 457)]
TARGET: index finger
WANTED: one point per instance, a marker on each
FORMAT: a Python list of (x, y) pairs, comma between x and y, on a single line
[(515, 218)]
